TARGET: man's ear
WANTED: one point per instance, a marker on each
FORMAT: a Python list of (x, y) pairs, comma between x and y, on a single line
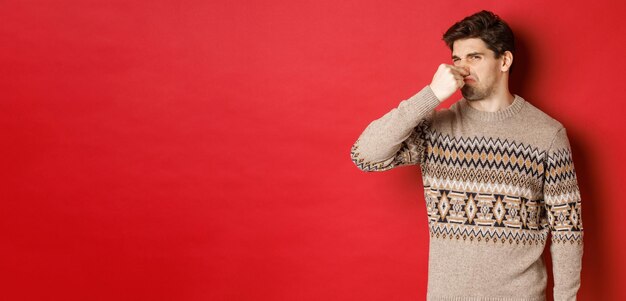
[(507, 61)]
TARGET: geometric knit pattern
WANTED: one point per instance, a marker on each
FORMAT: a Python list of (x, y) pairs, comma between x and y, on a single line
[(497, 172), (496, 186), (484, 217), (562, 197)]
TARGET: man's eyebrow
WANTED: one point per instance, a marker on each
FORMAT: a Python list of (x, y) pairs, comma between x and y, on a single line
[(469, 54)]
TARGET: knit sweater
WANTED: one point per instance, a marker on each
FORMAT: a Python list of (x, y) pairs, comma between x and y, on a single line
[(495, 185)]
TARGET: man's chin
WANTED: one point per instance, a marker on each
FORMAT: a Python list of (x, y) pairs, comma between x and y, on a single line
[(470, 94)]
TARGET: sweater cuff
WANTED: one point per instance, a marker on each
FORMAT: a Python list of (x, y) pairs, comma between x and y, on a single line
[(423, 101)]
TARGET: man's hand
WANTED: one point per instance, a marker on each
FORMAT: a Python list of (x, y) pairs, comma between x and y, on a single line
[(447, 80)]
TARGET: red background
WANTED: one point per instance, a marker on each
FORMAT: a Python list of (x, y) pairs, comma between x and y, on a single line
[(200, 150)]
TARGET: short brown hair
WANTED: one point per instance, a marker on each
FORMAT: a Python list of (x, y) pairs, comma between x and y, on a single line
[(488, 27)]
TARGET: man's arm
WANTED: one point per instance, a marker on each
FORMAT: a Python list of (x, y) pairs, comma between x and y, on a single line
[(397, 138), (563, 206)]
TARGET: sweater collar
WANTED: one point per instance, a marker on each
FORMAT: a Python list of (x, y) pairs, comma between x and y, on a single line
[(501, 114)]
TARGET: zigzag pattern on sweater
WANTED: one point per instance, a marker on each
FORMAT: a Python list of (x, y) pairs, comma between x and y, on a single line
[(561, 184), (486, 153), (491, 183), (562, 198), (497, 184), (486, 234)]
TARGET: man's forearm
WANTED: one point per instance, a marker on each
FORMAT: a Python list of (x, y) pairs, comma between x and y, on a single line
[(383, 137)]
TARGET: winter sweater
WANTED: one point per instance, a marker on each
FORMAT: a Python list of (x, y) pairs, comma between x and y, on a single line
[(495, 185)]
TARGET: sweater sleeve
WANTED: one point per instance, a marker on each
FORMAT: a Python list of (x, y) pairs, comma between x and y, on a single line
[(396, 138), (563, 207)]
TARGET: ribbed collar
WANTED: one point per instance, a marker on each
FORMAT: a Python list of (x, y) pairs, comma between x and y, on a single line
[(511, 110)]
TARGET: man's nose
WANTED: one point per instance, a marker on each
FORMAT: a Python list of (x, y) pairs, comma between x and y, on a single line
[(466, 68), (463, 64)]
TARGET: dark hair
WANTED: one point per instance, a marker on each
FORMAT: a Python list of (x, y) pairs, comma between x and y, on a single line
[(488, 27)]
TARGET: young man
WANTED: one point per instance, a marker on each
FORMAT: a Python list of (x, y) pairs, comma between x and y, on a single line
[(498, 174)]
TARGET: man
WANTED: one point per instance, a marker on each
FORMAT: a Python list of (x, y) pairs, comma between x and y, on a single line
[(498, 174)]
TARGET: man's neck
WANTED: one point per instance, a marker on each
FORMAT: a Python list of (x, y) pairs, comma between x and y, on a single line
[(494, 102)]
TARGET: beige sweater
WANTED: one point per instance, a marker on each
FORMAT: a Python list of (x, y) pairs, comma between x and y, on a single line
[(495, 185)]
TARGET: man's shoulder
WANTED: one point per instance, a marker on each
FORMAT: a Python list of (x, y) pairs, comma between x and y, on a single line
[(537, 118), (539, 127)]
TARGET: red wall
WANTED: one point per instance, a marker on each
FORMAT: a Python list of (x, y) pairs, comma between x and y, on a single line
[(195, 150)]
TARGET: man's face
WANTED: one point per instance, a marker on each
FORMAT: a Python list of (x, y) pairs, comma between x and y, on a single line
[(473, 55)]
